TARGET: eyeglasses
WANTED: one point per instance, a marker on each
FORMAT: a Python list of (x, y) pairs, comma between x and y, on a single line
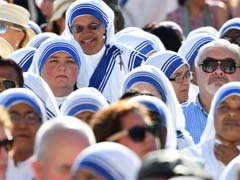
[(234, 40), (136, 133), (6, 144), (79, 28), (180, 78), (4, 27), (227, 65), (29, 118), (7, 84)]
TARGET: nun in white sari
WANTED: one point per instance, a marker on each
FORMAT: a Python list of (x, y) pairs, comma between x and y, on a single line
[(220, 140), (150, 80), (106, 63)]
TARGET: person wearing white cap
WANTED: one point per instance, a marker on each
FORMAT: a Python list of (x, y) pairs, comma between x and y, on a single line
[(37, 40), (220, 140), (151, 80), (91, 23), (14, 26), (57, 61), (27, 113), (106, 161), (83, 103), (58, 142)]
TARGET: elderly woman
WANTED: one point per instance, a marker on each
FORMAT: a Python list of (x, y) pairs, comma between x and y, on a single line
[(220, 141), (83, 103), (27, 113), (105, 161), (150, 80), (91, 23), (58, 61)]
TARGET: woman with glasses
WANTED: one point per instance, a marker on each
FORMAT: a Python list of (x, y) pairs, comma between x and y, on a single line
[(176, 69), (148, 79), (220, 141), (27, 113), (14, 27), (128, 124), (91, 23)]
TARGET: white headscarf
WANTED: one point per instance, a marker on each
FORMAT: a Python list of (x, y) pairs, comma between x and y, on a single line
[(233, 23), (83, 99), (109, 160), (37, 40)]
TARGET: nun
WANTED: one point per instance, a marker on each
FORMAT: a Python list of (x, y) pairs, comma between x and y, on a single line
[(148, 79), (106, 63)]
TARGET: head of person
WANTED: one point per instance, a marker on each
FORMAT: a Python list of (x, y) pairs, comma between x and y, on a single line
[(160, 116), (11, 74), (27, 113), (106, 160), (57, 21), (58, 61), (223, 121), (230, 31), (176, 70), (5, 140), (126, 123), (58, 142), (217, 63), (91, 24), (14, 27), (166, 164), (83, 103)]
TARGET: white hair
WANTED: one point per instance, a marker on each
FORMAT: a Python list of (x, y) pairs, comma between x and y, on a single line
[(57, 124)]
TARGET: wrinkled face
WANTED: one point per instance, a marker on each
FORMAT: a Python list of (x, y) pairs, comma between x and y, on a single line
[(209, 83), (60, 72), (8, 73), (25, 125), (91, 40), (227, 120), (55, 165), (181, 88), (143, 147), (146, 88), (3, 155), (85, 174)]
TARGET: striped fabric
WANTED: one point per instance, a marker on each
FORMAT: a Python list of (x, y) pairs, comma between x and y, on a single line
[(233, 23)]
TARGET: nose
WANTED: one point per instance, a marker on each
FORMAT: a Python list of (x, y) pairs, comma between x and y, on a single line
[(62, 66), (218, 70)]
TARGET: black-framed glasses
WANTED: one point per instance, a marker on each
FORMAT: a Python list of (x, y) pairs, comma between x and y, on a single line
[(29, 118), (228, 65), (136, 133), (180, 78), (80, 28), (6, 144), (7, 84), (5, 26)]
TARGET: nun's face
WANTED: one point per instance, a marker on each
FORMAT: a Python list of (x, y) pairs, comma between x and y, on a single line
[(89, 32), (26, 122), (84, 174), (227, 119), (181, 87), (85, 116), (146, 88), (60, 72)]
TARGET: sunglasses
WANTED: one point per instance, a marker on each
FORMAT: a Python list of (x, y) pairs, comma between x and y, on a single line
[(6, 144), (7, 84), (79, 28), (136, 133), (180, 78), (227, 65), (4, 27)]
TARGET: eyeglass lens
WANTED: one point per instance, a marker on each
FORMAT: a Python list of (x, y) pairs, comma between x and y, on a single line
[(79, 28), (29, 118), (8, 84), (138, 133)]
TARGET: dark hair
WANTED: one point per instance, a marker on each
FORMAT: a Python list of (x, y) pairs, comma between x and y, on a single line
[(181, 2), (6, 62)]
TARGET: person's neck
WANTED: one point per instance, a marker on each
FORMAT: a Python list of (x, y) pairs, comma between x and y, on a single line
[(194, 10), (19, 156), (62, 92), (205, 102)]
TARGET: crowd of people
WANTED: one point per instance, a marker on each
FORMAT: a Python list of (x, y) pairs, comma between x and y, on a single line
[(119, 89)]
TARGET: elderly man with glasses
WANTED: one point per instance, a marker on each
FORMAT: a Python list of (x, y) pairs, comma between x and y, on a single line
[(217, 63)]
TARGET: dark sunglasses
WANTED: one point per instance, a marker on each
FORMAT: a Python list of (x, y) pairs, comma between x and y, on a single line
[(6, 144), (136, 133), (4, 27), (227, 65), (79, 28), (7, 84)]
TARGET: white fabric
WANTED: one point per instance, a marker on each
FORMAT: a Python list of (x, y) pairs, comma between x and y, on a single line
[(37, 40), (21, 171), (232, 170)]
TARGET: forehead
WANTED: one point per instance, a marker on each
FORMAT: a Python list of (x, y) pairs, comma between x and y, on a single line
[(85, 19), (232, 100), (21, 107), (61, 54)]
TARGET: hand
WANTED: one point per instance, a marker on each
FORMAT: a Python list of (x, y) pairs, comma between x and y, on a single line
[(225, 153)]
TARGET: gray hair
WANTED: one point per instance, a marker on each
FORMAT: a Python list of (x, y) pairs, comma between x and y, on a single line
[(57, 124)]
